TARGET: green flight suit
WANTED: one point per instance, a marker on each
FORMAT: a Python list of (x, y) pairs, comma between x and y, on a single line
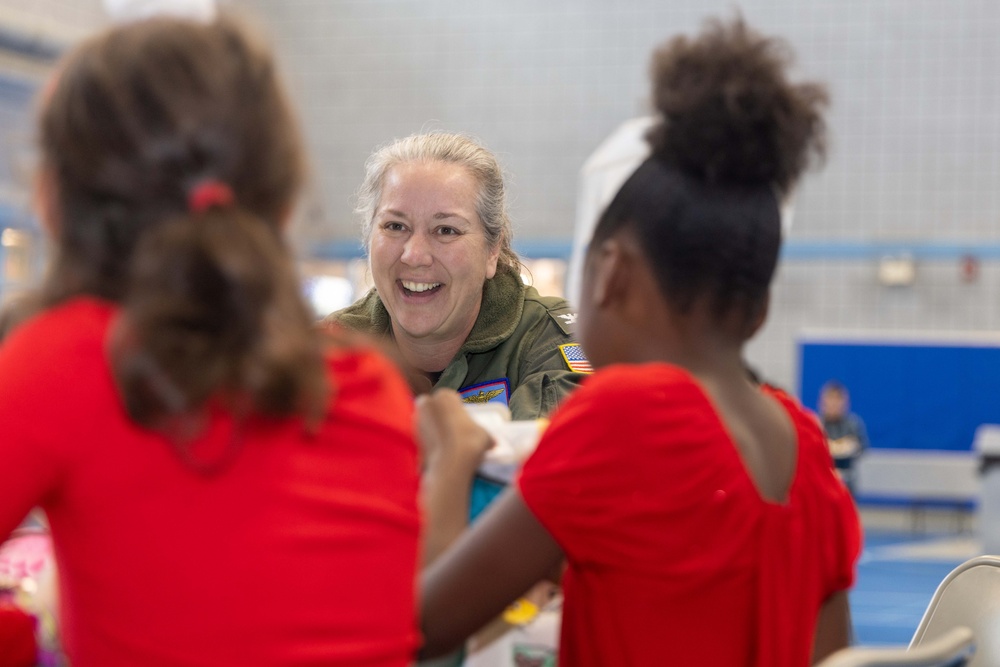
[(515, 338)]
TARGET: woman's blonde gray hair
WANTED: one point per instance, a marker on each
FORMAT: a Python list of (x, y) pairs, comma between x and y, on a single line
[(452, 148)]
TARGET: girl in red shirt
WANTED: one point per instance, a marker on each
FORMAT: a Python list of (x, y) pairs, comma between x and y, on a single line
[(698, 512), (224, 484)]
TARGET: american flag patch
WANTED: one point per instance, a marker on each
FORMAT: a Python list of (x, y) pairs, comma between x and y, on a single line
[(575, 358)]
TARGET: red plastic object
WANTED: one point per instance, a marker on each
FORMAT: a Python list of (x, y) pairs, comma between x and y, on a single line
[(17, 638)]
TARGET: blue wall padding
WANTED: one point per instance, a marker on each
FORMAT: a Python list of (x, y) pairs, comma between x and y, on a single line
[(910, 396)]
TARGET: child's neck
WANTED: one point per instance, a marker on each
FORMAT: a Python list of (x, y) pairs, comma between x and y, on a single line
[(695, 344)]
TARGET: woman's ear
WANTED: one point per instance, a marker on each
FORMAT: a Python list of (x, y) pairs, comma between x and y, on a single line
[(45, 201), (491, 262)]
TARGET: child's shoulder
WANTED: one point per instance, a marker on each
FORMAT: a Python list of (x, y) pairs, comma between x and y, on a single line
[(60, 331), (632, 377), (630, 386)]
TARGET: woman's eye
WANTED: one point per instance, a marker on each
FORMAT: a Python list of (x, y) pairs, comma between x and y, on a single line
[(448, 231), (393, 227)]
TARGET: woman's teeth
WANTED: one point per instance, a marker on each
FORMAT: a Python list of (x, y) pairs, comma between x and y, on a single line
[(419, 287)]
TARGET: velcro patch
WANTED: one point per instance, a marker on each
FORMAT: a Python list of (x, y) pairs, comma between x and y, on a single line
[(491, 391), (575, 358)]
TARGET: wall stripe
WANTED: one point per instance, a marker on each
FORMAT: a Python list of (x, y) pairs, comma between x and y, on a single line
[(791, 251)]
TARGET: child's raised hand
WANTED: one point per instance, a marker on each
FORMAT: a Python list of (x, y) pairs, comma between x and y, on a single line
[(451, 442), (453, 446)]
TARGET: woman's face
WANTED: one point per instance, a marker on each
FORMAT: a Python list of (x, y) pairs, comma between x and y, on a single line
[(429, 254)]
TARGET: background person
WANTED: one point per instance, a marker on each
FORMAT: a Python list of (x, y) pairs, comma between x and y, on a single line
[(846, 434), (698, 513), (223, 485)]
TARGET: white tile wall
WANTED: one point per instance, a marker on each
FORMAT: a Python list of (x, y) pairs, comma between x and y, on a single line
[(915, 123), (915, 120)]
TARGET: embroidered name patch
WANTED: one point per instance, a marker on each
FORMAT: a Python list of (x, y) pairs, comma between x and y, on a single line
[(575, 358), (491, 391)]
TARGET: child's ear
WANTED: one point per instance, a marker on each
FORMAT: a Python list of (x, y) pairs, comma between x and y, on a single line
[(611, 267)]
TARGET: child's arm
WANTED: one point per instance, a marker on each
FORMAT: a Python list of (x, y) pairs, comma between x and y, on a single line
[(500, 557), (833, 627)]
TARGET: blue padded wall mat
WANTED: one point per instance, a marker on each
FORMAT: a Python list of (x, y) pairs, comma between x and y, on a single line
[(911, 395)]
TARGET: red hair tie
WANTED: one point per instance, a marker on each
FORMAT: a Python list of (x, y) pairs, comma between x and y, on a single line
[(210, 194)]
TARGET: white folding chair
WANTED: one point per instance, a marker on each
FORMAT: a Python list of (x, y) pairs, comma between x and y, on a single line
[(968, 597), (952, 649)]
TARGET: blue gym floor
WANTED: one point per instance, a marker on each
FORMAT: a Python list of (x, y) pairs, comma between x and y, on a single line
[(897, 575)]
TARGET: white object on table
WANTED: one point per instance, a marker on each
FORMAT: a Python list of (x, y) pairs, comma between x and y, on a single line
[(513, 441)]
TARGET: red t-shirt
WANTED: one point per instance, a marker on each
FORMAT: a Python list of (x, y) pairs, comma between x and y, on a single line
[(674, 557), (302, 552)]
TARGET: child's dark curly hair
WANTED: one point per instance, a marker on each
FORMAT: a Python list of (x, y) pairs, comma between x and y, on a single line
[(730, 115), (735, 136)]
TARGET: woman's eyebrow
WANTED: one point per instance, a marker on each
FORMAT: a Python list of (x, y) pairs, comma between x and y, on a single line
[(444, 215)]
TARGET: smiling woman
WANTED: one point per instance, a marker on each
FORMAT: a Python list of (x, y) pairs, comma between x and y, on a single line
[(448, 290)]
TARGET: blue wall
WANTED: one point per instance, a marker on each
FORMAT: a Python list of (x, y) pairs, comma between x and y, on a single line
[(911, 395)]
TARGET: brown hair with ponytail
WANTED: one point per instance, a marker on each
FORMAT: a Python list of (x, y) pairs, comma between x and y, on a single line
[(142, 122)]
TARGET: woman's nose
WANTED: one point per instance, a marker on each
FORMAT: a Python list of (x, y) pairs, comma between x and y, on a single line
[(417, 251)]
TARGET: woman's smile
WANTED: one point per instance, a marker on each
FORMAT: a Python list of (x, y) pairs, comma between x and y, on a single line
[(411, 287)]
